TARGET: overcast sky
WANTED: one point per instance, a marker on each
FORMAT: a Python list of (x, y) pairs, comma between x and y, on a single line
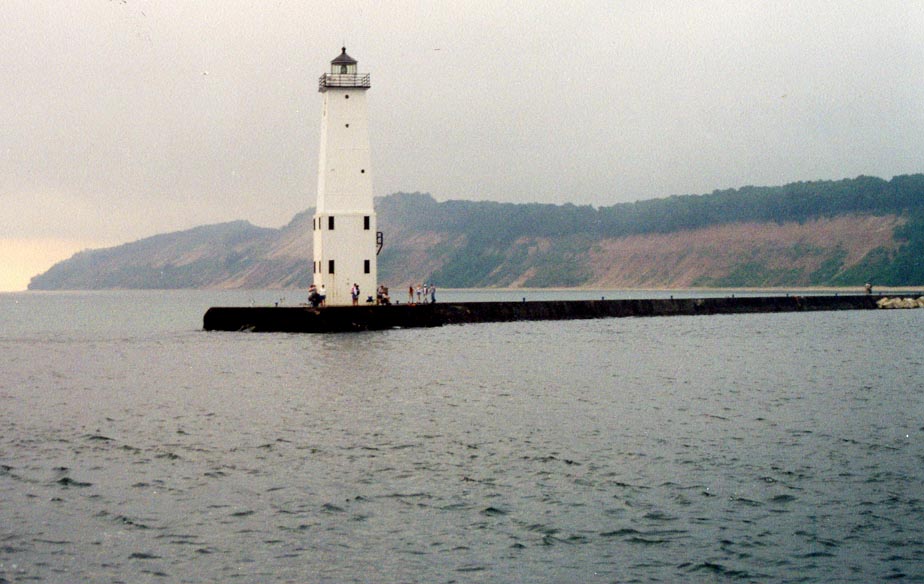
[(120, 119)]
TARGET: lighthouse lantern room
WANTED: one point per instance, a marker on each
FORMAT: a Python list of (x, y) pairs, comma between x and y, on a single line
[(345, 236)]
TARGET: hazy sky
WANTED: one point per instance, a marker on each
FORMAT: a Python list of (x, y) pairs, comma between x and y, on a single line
[(120, 119)]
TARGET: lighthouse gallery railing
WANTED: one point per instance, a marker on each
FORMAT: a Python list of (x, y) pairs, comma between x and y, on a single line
[(362, 81)]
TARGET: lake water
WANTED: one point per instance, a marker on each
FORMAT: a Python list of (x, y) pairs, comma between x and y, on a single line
[(134, 447)]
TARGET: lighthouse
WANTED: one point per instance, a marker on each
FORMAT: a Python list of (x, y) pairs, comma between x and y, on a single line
[(345, 238)]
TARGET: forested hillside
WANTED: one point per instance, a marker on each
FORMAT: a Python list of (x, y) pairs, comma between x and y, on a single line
[(483, 244), (843, 232)]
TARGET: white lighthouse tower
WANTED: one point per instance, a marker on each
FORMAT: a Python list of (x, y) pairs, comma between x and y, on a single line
[(345, 236)]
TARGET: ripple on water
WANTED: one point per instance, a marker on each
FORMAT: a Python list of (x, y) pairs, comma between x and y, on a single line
[(69, 482)]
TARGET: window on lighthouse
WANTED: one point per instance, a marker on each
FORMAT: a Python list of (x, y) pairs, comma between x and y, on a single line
[(343, 69)]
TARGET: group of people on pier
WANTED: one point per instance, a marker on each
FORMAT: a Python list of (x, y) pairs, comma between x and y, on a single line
[(382, 297), (317, 296), (424, 291)]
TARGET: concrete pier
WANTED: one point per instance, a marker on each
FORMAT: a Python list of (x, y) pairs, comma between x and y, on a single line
[(303, 319)]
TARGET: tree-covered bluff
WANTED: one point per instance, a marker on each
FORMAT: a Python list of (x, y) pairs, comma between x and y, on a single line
[(485, 244), (822, 233)]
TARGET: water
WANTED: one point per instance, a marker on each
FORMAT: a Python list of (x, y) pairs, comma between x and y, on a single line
[(772, 447)]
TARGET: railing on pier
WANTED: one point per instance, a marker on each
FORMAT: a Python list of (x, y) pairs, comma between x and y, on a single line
[(361, 81)]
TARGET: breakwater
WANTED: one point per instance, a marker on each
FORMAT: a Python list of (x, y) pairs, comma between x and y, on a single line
[(304, 319)]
